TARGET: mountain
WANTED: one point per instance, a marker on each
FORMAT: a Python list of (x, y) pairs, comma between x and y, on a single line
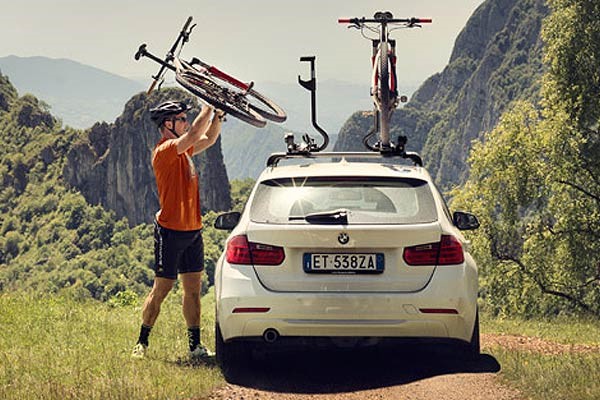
[(78, 94), (246, 149), (496, 59), (116, 158)]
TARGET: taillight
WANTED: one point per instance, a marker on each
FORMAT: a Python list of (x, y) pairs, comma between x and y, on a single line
[(448, 251), (238, 250), (451, 251), (241, 251)]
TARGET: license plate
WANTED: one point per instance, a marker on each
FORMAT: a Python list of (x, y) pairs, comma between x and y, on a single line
[(343, 263)]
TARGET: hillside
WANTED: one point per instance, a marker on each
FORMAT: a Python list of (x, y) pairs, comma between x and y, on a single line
[(117, 157), (53, 240), (78, 94), (496, 59)]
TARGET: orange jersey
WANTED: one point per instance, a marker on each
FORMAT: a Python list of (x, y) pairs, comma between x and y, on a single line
[(177, 183)]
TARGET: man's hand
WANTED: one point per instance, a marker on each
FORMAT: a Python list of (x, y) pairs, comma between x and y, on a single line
[(220, 114), (206, 110)]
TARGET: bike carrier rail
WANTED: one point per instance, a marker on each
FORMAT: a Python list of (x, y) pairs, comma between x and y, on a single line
[(274, 159)]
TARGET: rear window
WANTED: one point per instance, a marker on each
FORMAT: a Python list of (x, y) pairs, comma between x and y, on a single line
[(366, 200)]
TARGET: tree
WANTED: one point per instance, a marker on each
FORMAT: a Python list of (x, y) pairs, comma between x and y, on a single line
[(535, 181)]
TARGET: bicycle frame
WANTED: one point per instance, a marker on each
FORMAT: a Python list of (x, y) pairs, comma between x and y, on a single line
[(166, 64)]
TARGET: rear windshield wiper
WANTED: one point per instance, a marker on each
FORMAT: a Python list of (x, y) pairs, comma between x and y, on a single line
[(334, 217)]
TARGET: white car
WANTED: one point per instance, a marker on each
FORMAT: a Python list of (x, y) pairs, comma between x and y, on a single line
[(344, 253)]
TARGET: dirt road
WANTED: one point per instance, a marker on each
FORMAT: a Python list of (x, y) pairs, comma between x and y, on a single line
[(352, 375), (410, 374)]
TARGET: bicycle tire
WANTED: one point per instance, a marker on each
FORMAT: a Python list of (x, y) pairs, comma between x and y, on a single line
[(273, 111), (384, 76), (384, 94), (222, 98)]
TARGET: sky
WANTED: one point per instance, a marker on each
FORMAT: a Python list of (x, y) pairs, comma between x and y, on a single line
[(259, 40)]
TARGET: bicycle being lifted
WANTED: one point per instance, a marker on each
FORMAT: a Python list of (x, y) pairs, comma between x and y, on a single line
[(219, 89), (384, 83)]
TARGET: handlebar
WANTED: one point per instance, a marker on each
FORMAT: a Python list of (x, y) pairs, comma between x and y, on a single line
[(384, 19)]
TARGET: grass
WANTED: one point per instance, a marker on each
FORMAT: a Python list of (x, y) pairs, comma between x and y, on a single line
[(570, 376), (567, 330), (57, 348)]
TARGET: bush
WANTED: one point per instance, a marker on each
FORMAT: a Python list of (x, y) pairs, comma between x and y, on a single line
[(125, 298)]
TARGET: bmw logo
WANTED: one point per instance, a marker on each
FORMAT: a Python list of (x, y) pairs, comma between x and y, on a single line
[(343, 238)]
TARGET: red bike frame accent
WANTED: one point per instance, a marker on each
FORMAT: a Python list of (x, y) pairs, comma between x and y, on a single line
[(222, 75), (393, 82)]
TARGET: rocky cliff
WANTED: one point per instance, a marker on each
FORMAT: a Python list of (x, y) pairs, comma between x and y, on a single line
[(111, 165), (496, 59)]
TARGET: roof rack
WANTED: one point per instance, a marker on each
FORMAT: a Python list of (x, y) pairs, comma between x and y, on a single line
[(274, 158)]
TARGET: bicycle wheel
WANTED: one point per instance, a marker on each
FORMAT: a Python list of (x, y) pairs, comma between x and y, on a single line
[(384, 94), (384, 76), (228, 100), (272, 111)]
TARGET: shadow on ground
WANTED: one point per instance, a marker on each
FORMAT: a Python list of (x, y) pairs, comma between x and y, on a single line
[(334, 371)]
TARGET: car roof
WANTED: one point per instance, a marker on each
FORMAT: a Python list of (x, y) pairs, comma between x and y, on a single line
[(345, 168)]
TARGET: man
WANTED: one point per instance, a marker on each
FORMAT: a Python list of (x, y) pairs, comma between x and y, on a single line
[(178, 244)]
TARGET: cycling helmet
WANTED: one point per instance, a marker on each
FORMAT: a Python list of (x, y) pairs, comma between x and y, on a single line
[(167, 109)]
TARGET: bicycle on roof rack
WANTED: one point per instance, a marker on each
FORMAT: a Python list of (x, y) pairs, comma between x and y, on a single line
[(216, 87), (309, 148), (384, 83)]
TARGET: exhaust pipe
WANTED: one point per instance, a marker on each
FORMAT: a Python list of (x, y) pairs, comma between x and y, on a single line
[(270, 335)]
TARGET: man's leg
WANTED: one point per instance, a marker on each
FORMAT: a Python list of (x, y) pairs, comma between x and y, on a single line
[(151, 309), (192, 285)]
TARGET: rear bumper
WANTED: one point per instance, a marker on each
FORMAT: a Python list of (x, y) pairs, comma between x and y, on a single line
[(310, 314)]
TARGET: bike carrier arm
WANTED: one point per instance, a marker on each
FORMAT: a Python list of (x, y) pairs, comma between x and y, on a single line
[(310, 85)]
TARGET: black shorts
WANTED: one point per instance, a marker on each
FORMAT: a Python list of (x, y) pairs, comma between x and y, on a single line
[(177, 252)]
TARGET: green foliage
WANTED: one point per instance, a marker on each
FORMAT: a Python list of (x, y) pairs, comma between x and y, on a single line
[(125, 298), (52, 240), (214, 240), (535, 182), (7, 93), (240, 191)]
